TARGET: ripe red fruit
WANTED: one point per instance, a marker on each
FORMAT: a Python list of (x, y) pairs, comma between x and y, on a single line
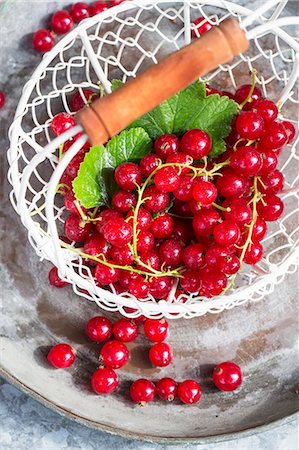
[(74, 166), (171, 252), (61, 123), (156, 330), (166, 389), (205, 221), (104, 381), (139, 287), (122, 256), (271, 208), (96, 245), (204, 192), (123, 201), (43, 40), (215, 254), (271, 183), (166, 145), (269, 162), (62, 22), (69, 203), (274, 136), (148, 164), (266, 109), (75, 229), (253, 253), (125, 330), (61, 356), (239, 211), (78, 100), (180, 158), (201, 26), (167, 179), (184, 191), (144, 219), (226, 233), (227, 376), (118, 232), (160, 286), (196, 143), (106, 275), (128, 176), (114, 354), (190, 281), (97, 7), (79, 11), (189, 392), (259, 230), (246, 160), (181, 230), (213, 281), (125, 277), (160, 354), (193, 256), (145, 241), (162, 226), (99, 329), (229, 264), (231, 183), (155, 201), (290, 130), (142, 391), (151, 258), (249, 125), (55, 279), (104, 216), (242, 93)]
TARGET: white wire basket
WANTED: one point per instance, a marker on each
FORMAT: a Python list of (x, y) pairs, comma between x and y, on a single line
[(118, 44)]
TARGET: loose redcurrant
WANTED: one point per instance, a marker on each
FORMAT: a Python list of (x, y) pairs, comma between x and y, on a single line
[(104, 381), (156, 330), (201, 26), (160, 354), (62, 22), (97, 7), (99, 329), (79, 11), (61, 123), (55, 280), (166, 389), (114, 354), (196, 143), (142, 391), (61, 356), (189, 392), (125, 330), (43, 40), (227, 376)]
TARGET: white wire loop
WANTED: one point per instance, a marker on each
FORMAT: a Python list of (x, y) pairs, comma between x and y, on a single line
[(118, 43)]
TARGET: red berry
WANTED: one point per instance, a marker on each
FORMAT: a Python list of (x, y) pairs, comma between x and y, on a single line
[(229, 264), (104, 381), (148, 164), (142, 391), (271, 208), (160, 354), (196, 143), (97, 7), (171, 252), (139, 287), (274, 137), (259, 230), (213, 281), (114, 354), (122, 256), (265, 109), (125, 277), (156, 330), (180, 158), (155, 201), (193, 256), (272, 183), (106, 275), (2, 99), (166, 389), (243, 91), (182, 209), (290, 130), (125, 330), (62, 22), (215, 254), (190, 281), (204, 192), (210, 90), (249, 125), (78, 100), (231, 184), (205, 221), (239, 211), (79, 11), (269, 162), (43, 40), (123, 201), (166, 145), (184, 191), (74, 166), (104, 216), (99, 329), (75, 229), (145, 241), (162, 226), (128, 176), (151, 258), (118, 232), (69, 203), (167, 179), (189, 392), (253, 253), (181, 230), (96, 245), (202, 25), (160, 286), (61, 123), (61, 356), (55, 279), (226, 233), (246, 160), (144, 219), (227, 376)]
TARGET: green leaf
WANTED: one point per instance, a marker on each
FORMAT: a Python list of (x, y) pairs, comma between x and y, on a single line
[(87, 186), (115, 84), (190, 108), (95, 184)]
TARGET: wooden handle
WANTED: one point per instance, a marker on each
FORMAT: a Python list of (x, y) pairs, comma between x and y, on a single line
[(108, 116)]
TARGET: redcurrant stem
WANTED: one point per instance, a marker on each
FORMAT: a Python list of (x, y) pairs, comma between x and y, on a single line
[(61, 185), (60, 152), (179, 217), (82, 215), (221, 207), (253, 82)]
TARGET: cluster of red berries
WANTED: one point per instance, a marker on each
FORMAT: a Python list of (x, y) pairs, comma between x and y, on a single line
[(63, 21), (114, 354), (178, 215)]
